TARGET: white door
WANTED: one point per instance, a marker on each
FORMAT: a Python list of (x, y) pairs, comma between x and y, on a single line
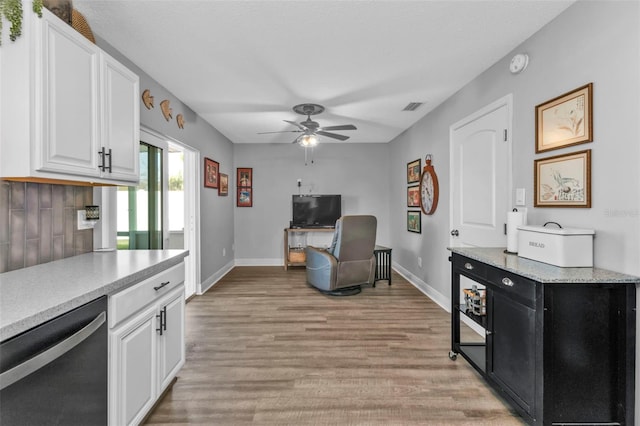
[(481, 176)]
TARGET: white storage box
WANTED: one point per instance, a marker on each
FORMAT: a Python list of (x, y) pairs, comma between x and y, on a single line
[(566, 247)]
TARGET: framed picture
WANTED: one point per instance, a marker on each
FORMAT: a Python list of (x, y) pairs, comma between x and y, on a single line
[(414, 221), (413, 196), (211, 169), (244, 197), (244, 177), (566, 120), (223, 188), (413, 171), (563, 180)]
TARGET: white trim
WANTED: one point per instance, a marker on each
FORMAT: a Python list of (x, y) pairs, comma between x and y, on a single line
[(213, 279), (259, 262)]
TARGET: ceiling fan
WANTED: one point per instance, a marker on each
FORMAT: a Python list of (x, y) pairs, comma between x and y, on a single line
[(311, 129)]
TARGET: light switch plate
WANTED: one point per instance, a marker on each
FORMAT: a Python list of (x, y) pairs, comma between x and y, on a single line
[(520, 197)]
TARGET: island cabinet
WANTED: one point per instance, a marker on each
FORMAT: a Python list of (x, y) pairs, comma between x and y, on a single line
[(146, 344), (69, 110), (557, 343)]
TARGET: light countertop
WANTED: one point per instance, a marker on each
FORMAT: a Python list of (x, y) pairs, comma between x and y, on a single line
[(31, 296), (543, 272)]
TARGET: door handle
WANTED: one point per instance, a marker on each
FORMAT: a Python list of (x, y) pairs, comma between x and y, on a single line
[(454, 232), (21, 371)]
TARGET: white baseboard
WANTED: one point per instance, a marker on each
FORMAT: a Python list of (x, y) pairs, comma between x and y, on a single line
[(213, 279), (425, 288), (259, 262)]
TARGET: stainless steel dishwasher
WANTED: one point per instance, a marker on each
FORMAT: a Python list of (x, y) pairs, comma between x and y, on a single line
[(56, 373)]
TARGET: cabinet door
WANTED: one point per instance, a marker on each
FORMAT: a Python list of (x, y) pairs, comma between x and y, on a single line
[(171, 344), (511, 348), (70, 91), (121, 121), (132, 389)]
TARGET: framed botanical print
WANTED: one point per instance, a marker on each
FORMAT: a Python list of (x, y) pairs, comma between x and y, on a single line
[(223, 188), (211, 170), (566, 120), (413, 171), (244, 197), (563, 180)]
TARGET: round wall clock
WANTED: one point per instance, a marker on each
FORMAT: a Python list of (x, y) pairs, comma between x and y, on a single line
[(428, 188)]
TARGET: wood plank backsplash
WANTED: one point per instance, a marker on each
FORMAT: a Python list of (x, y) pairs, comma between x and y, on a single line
[(38, 223)]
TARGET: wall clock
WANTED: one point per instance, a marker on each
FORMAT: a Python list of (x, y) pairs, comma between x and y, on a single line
[(428, 187)]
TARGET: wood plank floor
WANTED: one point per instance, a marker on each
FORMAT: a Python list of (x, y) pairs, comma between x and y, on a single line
[(265, 348)]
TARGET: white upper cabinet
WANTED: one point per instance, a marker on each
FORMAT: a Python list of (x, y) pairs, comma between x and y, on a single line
[(68, 111)]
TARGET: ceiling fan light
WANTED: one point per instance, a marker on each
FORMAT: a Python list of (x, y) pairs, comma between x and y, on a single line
[(308, 140)]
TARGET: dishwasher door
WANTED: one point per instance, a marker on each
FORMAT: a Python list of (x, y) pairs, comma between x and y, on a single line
[(56, 373)]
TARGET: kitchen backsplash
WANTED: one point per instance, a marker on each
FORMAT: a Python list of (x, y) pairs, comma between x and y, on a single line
[(38, 223)]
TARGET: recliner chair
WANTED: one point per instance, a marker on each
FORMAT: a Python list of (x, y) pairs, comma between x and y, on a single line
[(349, 261)]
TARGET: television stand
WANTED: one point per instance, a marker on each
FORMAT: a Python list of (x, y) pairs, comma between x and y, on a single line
[(294, 256)]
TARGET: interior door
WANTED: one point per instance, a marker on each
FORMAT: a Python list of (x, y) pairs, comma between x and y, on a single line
[(481, 176)]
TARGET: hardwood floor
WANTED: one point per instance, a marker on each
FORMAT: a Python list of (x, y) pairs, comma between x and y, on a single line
[(265, 348)]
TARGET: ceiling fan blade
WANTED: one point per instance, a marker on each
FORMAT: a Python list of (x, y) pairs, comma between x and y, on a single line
[(342, 127), (332, 135), (283, 131), (296, 124)]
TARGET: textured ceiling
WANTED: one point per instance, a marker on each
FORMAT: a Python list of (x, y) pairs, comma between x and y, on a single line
[(242, 65)]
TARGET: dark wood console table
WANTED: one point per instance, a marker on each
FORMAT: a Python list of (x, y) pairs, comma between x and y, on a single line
[(559, 343)]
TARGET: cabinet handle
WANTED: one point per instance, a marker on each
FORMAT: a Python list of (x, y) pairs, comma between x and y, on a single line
[(468, 266), (507, 282), (161, 285), (101, 153), (108, 155), (163, 320)]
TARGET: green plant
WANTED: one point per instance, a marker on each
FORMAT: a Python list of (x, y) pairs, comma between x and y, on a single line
[(12, 11)]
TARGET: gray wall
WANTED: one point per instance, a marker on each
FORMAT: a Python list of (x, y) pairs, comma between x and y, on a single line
[(593, 41), (216, 213), (359, 172)]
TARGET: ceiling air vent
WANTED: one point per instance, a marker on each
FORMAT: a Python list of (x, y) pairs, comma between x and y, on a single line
[(412, 106)]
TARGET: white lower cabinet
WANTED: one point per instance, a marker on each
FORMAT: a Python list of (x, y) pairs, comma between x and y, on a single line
[(146, 344)]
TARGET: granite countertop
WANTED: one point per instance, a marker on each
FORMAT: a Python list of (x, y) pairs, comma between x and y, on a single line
[(542, 272), (31, 296)]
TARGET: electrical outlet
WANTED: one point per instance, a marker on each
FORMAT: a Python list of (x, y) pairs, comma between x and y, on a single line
[(419, 262), (224, 252)]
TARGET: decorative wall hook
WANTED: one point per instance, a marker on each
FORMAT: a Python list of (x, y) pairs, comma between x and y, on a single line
[(147, 99), (180, 121), (166, 110)]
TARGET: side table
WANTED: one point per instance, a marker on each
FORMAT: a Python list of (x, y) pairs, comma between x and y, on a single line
[(383, 264)]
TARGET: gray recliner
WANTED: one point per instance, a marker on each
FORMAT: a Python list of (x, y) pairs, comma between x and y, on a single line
[(349, 261)]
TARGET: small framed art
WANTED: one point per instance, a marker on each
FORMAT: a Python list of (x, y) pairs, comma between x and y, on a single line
[(563, 180), (244, 177), (211, 170), (223, 188), (413, 171), (566, 120), (413, 196), (414, 221), (244, 197)]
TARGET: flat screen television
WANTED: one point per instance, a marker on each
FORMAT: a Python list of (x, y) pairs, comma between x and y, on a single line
[(316, 211)]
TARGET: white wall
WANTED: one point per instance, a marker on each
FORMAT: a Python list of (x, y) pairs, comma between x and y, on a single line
[(359, 172)]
